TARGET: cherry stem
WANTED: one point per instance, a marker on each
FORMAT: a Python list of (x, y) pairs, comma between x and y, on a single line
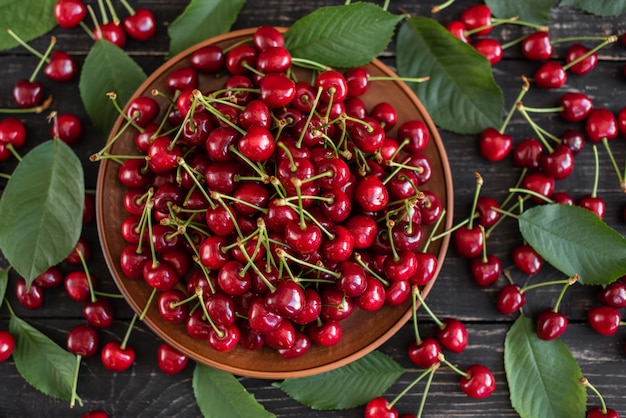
[(484, 255), (128, 7), (218, 332), (428, 372), (426, 389), (108, 295), (144, 312), (406, 79), (74, 396), (198, 95), (534, 126), (418, 338), (13, 151), (310, 116), (129, 330), (251, 263), (622, 179), (284, 254), (418, 294), (219, 199), (26, 45), (359, 260), (532, 193), (182, 163), (567, 281), (37, 109), (86, 269), (312, 65), (53, 41), (432, 232), (103, 12), (449, 231), (585, 382), (479, 184), (520, 96), (5, 176), (94, 19), (441, 6), (570, 282), (255, 167), (594, 190), (116, 19), (443, 359), (390, 224), (607, 41)]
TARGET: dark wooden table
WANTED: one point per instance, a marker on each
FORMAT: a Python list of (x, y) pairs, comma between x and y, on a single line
[(144, 391)]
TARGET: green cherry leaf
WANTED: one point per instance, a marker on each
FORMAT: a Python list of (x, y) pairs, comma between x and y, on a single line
[(532, 11), (41, 362), (359, 381), (27, 18), (342, 36), (542, 375), (575, 241), (107, 69), (41, 209), (597, 7), (461, 94), (4, 282), (202, 19), (219, 394)]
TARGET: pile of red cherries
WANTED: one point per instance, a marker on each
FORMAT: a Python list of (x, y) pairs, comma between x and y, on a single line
[(267, 211)]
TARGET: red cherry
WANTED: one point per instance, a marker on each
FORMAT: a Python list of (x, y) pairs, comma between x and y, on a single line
[(494, 145), (68, 128), (61, 67), (7, 344), (27, 93), (96, 413), (379, 408), (117, 358), (576, 106), (485, 272), (597, 413), (82, 340), (31, 298), (550, 75), (601, 123), (528, 153), (594, 204), (540, 183), (452, 335), (468, 242), (477, 16), (604, 320), (573, 139), (559, 164), (613, 295), (208, 59), (584, 66), (480, 382), (141, 25), (527, 259), (458, 29), (510, 299), (98, 313), (276, 90), (371, 194), (267, 36), (486, 207), (52, 277), (424, 354), (111, 32), (490, 48), (69, 13), (537, 46), (550, 324), (170, 360)]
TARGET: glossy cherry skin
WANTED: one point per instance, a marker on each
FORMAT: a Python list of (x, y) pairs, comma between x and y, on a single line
[(573, 139), (584, 66), (98, 313), (266, 36), (31, 298), (468, 242), (604, 320), (227, 340), (276, 90), (550, 75), (494, 145), (82, 340), (550, 324), (601, 123), (117, 358), (452, 335), (379, 408), (458, 29), (170, 360), (490, 48), (27, 94), (287, 300), (111, 32), (371, 194), (527, 259), (141, 25), (540, 183), (326, 334), (597, 413), (594, 204), (528, 153), (96, 413), (69, 13), (52, 277), (537, 46), (208, 59), (301, 345), (613, 295), (559, 164), (480, 384), (424, 354), (576, 106), (61, 67), (510, 299), (7, 344), (68, 128), (485, 272)]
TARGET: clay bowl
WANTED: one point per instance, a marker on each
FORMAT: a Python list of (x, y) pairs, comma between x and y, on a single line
[(362, 331)]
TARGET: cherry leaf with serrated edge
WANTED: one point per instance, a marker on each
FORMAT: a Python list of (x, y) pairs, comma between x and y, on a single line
[(359, 381), (542, 375), (342, 36), (597, 7), (201, 20), (575, 241), (461, 94), (219, 394), (41, 362), (4, 282), (532, 11), (41, 209), (29, 19), (107, 69)]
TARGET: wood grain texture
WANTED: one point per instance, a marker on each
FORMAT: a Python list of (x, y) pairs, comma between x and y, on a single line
[(144, 391)]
